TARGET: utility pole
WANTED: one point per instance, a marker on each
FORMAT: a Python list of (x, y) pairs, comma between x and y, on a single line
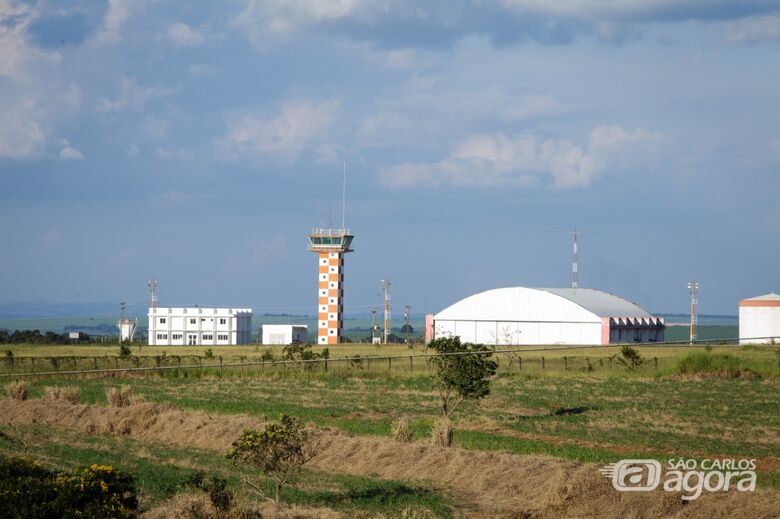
[(385, 285), (693, 288), (407, 308), (152, 284), (121, 320), (373, 323)]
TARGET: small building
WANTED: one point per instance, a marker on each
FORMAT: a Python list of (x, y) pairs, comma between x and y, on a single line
[(759, 319), (199, 326), (285, 333), (519, 315)]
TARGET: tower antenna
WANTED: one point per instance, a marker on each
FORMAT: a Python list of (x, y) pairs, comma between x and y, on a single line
[(385, 284), (344, 198), (693, 288), (574, 265), (152, 284)]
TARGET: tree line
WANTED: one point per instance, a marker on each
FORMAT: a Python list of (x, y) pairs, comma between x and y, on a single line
[(36, 337)]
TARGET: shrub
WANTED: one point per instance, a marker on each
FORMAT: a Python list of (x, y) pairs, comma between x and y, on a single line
[(630, 357), (70, 394), (124, 351), (713, 364), (19, 390), (27, 489), (121, 396), (279, 451), (267, 356), (441, 434), (401, 430), (215, 486), (462, 372), (209, 353)]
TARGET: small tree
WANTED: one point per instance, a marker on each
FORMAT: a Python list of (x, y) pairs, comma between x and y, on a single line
[(630, 357), (279, 451), (124, 351), (462, 371)]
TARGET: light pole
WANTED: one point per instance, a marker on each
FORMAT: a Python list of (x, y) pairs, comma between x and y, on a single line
[(693, 288)]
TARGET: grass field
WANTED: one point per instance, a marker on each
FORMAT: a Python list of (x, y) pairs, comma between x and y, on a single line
[(583, 416)]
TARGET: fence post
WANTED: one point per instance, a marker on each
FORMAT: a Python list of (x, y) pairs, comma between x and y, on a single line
[(520, 363), (94, 362), (655, 361), (326, 364), (369, 364), (411, 364), (74, 364), (565, 363), (220, 365), (32, 360), (116, 362), (389, 363), (542, 363)]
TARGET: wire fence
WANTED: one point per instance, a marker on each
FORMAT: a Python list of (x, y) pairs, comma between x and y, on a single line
[(510, 359)]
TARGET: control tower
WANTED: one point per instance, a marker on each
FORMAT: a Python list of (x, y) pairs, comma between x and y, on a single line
[(330, 246)]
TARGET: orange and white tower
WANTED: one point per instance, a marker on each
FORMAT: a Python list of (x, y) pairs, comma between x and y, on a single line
[(330, 246)]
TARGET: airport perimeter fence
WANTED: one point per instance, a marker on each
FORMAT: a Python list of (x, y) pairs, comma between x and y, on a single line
[(510, 360)]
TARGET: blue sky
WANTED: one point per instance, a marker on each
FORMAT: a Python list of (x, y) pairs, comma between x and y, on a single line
[(198, 142)]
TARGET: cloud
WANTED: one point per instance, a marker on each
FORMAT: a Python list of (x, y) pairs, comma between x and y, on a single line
[(407, 23), (202, 70), (133, 150), (299, 126), (490, 160), (70, 153), (117, 13), (21, 135), (754, 29), (133, 96), (182, 35)]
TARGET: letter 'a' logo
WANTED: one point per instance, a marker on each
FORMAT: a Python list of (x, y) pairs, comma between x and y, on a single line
[(634, 475)]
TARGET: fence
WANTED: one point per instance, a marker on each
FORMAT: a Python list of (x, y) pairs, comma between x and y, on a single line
[(510, 360)]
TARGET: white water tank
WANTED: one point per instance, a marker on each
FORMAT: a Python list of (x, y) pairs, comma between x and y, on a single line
[(759, 319)]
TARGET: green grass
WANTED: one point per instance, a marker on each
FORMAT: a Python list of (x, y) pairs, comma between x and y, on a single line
[(160, 471)]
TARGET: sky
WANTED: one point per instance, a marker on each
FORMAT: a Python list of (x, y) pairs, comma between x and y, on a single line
[(197, 143)]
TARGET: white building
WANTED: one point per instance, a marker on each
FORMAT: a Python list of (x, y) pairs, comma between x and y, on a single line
[(518, 315), (199, 326), (285, 333), (759, 319), (127, 329)]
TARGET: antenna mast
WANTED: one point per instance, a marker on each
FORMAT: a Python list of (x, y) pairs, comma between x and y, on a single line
[(344, 199), (153, 289), (385, 284), (693, 288), (574, 265)]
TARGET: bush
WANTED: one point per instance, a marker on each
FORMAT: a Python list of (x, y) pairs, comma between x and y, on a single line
[(124, 351), (279, 451), (630, 357), (27, 489), (121, 396), (19, 390), (209, 353), (401, 430), (70, 394), (713, 364), (460, 372), (441, 434), (215, 486)]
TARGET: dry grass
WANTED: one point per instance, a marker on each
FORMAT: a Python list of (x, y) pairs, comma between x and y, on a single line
[(19, 390), (498, 484), (70, 394), (121, 396), (401, 430), (441, 434)]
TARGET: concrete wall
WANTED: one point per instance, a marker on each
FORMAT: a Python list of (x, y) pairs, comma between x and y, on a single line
[(759, 321), (199, 326), (285, 333)]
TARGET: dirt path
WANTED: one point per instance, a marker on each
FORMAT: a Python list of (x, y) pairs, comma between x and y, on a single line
[(495, 484)]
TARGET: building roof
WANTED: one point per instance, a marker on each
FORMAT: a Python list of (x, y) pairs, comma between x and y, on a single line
[(600, 303), (767, 297), (541, 304)]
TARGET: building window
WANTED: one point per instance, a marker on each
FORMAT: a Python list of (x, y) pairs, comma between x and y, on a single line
[(162, 320), (162, 336), (208, 337), (222, 337), (176, 336), (193, 321), (223, 321)]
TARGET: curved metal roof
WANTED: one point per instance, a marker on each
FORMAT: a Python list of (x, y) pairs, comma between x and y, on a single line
[(541, 304), (600, 303)]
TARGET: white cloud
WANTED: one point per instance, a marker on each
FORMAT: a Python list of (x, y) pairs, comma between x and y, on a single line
[(132, 96), (68, 152), (133, 150), (21, 135), (116, 14), (754, 29), (500, 160), (202, 70), (182, 35), (300, 125)]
